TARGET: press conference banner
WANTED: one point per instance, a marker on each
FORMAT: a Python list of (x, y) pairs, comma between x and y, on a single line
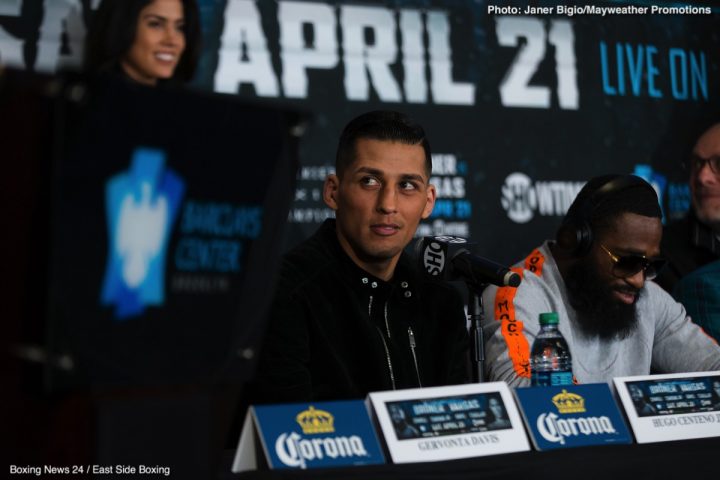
[(676, 406), (443, 423), (521, 104)]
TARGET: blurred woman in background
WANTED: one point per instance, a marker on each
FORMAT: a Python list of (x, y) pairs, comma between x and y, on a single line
[(146, 41)]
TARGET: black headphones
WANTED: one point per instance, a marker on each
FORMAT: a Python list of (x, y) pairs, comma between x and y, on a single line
[(575, 234)]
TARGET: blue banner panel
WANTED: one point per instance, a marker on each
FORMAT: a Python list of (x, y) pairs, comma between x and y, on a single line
[(323, 434), (522, 104), (572, 416)]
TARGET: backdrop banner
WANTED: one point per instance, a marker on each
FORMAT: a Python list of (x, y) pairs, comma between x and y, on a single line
[(521, 104)]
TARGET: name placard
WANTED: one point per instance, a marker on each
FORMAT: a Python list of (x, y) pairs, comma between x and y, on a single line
[(674, 406), (572, 416), (308, 435), (443, 423)]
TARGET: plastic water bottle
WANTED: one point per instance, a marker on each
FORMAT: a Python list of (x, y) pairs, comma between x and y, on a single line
[(550, 360)]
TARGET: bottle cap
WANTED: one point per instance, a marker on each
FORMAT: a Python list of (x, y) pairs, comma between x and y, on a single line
[(550, 318)]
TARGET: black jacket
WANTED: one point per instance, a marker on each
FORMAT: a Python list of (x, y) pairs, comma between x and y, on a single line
[(688, 245), (337, 332)]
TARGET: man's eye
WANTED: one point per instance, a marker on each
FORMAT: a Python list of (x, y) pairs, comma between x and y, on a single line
[(408, 185), (369, 181)]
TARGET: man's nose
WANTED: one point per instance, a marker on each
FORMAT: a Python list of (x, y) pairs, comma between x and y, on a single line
[(705, 175), (637, 280), (387, 200)]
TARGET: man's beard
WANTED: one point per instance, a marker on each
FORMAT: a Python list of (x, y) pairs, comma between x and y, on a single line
[(600, 313)]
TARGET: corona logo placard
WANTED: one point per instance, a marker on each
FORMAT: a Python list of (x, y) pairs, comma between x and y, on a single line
[(303, 435), (555, 429), (314, 421), (569, 402), (295, 451), (572, 416)]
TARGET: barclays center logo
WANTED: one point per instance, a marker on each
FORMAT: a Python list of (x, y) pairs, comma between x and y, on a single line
[(141, 206)]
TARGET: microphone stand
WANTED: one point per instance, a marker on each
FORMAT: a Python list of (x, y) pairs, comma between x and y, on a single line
[(477, 345)]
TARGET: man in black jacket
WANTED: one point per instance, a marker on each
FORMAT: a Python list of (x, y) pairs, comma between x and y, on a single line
[(351, 313), (694, 241)]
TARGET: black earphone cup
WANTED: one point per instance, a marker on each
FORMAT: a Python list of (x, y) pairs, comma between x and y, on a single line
[(567, 238), (574, 238), (575, 234), (584, 233)]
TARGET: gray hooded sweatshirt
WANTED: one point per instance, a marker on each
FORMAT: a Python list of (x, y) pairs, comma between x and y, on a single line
[(665, 340)]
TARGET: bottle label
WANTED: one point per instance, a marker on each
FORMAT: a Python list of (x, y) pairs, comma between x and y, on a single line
[(551, 379)]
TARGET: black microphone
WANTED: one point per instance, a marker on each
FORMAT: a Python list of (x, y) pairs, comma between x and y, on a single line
[(450, 258)]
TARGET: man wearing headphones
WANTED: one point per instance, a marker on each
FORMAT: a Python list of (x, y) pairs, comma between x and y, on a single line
[(594, 275)]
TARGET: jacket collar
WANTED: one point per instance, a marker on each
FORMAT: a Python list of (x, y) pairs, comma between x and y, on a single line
[(404, 280), (702, 236)]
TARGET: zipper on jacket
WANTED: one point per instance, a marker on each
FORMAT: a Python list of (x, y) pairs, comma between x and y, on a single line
[(382, 337), (387, 355), (411, 339), (387, 325)]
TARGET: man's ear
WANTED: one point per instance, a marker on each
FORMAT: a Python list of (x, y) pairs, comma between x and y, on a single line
[(330, 191), (430, 201)]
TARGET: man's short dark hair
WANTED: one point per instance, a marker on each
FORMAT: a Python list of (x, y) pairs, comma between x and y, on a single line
[(600, 209), (380, 125), (112, 32)]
